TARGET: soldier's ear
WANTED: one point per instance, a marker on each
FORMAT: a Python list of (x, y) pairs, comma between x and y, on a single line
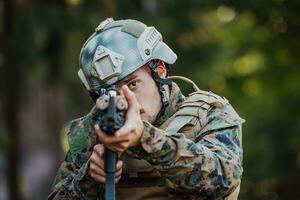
[(161, 69)]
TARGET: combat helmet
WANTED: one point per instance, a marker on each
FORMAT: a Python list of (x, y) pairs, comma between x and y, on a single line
[(117, 49)]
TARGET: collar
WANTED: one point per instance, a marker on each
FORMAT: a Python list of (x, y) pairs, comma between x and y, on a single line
[(175, 100)]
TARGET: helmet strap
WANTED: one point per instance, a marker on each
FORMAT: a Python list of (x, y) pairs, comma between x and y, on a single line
[(160, 82)]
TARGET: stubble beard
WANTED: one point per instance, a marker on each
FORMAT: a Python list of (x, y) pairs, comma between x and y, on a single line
[(148, 117)]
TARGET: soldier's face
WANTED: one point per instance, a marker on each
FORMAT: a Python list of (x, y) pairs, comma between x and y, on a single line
[(143, 86)]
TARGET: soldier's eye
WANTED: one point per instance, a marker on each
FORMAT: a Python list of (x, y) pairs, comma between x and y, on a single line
[(132, 85)]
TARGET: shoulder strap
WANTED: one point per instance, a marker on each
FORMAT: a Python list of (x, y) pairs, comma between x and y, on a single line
[(195, 87), (178, 122), (208, 97)]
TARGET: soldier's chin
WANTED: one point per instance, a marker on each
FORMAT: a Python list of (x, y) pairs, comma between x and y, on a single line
[(146, 117)]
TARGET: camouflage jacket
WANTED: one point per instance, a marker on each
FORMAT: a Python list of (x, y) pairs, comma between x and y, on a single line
[(202, 157)]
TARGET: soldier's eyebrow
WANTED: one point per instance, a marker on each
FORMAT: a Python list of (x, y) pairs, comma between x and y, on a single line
[(128, 79)]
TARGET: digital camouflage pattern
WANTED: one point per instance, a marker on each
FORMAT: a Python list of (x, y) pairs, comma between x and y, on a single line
[(202, 160)]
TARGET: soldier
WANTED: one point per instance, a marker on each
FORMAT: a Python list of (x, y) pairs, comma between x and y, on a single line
[(170, 147)]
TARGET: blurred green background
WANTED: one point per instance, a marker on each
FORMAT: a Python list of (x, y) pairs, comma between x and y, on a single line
[(247, 51)]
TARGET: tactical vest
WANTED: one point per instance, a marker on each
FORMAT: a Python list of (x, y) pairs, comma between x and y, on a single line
[(140, 180)]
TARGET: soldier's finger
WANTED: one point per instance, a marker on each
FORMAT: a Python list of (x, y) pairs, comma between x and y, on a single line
[(99, 149), (118, 173), (119, 165), (121, 92), (96, 160), (98, 131), (117, 179), (110, 140), (97, 170), (119, 149), (125, 130), (100, 165), (98, 178), (130, 97)]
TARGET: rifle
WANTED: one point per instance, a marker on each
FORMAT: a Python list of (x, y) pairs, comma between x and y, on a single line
[(111, 108)]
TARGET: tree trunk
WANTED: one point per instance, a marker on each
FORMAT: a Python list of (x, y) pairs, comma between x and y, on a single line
[(10, 87)]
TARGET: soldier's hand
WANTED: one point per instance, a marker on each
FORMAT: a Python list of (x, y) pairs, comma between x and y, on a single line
[(96, 168), (130, 134)]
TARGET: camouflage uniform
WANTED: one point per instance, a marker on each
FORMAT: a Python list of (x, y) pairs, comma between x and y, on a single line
[(193, 151)]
